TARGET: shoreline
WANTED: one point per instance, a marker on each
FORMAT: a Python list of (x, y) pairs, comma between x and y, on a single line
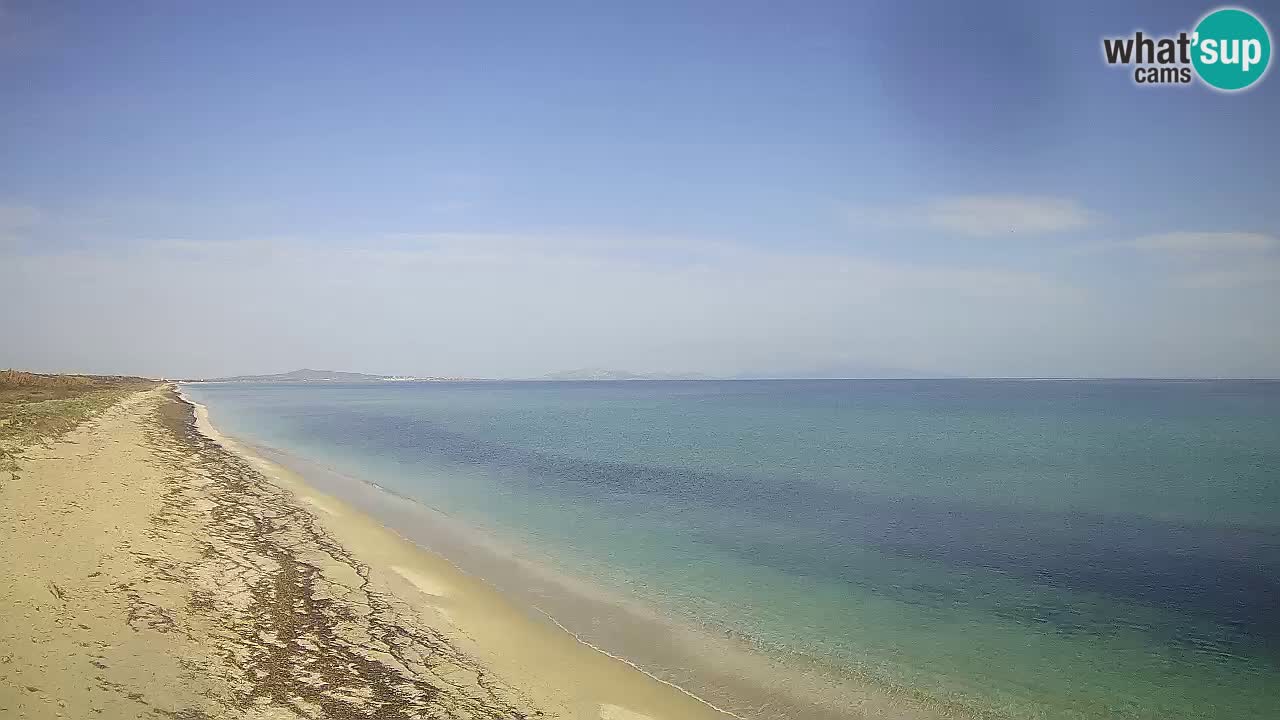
[(153, 574), (159, 568), (622, 698), (748, 680)]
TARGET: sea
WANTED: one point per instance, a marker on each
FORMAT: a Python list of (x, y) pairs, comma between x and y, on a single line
[(982, 548)]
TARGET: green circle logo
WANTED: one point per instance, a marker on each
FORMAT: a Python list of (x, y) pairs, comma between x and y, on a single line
[(1231, 49)]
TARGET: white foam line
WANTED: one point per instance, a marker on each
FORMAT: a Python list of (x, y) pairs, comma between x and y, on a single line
[(621, 659)]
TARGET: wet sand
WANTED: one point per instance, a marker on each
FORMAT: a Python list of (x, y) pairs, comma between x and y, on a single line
[(152, 571)]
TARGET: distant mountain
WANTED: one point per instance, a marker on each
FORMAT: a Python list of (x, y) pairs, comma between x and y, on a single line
[(844, 370), (849, 370), (604, 374), (308, 375), (840, 370)]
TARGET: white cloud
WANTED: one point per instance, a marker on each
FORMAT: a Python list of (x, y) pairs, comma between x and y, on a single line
[(981, 215), (1214, 260), (652, 256), (994, 215), (507, 305), (1199, 243), (1263, 274), (495, 304)]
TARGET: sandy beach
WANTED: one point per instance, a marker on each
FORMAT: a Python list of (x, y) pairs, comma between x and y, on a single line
[(155, 569)]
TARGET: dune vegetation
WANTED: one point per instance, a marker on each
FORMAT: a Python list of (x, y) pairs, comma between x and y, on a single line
[(36, 407)]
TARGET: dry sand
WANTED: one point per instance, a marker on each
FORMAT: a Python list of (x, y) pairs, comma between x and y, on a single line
[(154, 569)]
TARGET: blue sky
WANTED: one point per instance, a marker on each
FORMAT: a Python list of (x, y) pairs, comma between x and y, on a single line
[(506, 189)]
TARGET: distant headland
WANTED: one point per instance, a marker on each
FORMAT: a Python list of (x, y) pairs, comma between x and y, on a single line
[(334, 376)]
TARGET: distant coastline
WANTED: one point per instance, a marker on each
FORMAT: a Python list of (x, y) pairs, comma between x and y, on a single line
[(335, 376), (612, 375)]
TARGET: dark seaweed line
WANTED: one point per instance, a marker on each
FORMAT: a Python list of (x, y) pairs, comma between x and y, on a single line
[(298, 639)]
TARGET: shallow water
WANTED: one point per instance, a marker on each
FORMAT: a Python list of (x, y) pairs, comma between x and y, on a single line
[(1060, 549)]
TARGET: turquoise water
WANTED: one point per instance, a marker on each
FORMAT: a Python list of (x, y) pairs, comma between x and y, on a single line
[(1055, 549)]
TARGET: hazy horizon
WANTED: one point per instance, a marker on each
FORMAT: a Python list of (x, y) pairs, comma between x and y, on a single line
[(662, 376), (734, 190)]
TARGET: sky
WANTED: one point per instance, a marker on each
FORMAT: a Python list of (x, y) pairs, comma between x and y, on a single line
[(732, 188)]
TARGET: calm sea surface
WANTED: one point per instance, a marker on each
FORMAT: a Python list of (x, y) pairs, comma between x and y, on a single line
[(1055, 549)]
